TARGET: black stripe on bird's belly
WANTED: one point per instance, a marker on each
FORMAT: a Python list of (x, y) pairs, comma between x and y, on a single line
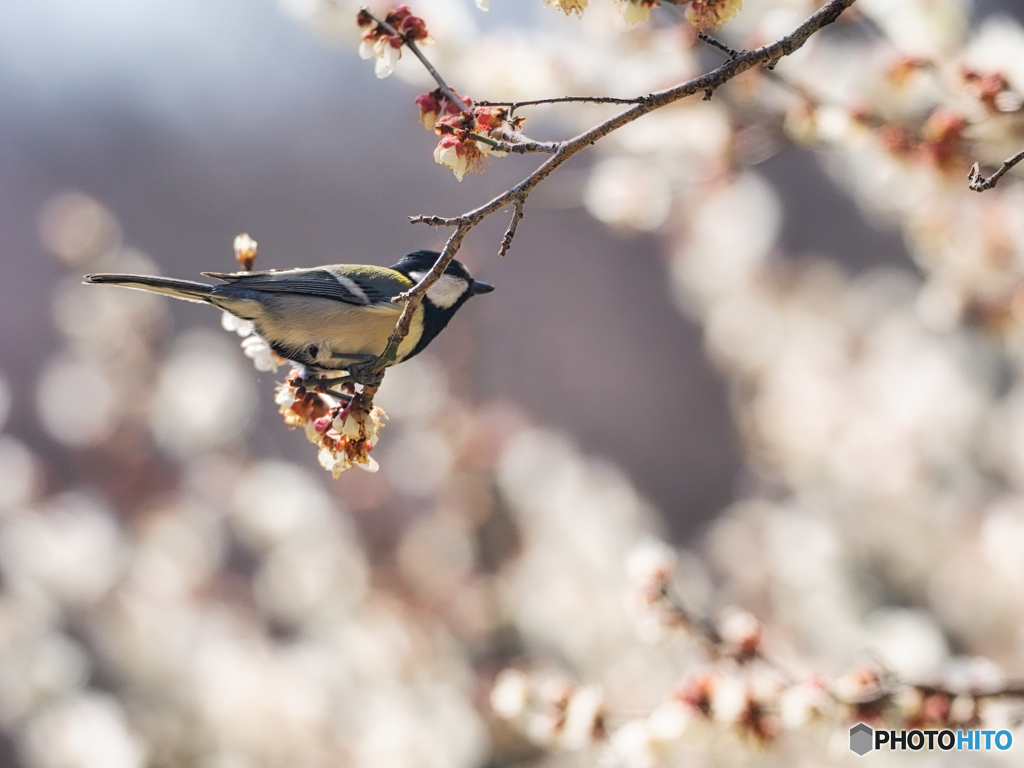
[(296, 355)]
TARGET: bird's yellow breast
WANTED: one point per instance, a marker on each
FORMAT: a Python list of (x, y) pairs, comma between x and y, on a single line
[(340, 328)]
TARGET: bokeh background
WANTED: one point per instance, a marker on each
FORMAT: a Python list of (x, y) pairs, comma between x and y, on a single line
[(763, 329)]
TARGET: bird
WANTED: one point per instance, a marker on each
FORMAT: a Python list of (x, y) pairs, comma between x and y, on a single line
[(328, 318)]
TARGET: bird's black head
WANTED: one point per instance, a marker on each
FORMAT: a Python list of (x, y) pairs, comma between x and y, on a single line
[(455, 286), (445, 296)]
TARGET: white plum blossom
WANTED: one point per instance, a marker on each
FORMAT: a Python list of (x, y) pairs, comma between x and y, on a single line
[(259, 351), (230, 323), (510, 694), (452, 153), (651, 563)]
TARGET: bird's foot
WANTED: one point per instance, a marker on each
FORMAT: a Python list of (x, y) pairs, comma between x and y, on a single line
[(324, 386), (365, 375)]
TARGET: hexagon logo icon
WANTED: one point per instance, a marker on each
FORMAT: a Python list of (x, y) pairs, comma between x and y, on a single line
[(861, 739)]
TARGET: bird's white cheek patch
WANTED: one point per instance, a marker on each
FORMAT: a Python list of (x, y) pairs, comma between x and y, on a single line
[(446, 291)]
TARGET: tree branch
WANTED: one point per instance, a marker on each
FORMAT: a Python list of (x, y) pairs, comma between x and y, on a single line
[(514, 105), (707, 83), (412, 299), (506, 241), (519, 147), (528, 147), (716, 44), (979, 183)]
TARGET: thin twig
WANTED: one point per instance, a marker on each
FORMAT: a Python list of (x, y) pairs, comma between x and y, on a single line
[(506, 241), (514, 105), (521, 146), (411, 45), (412, 299), (716, 44), (528, 147), (517, 195), (979, 183)]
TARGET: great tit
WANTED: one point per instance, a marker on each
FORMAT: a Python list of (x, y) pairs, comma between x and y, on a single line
[(331, 317)]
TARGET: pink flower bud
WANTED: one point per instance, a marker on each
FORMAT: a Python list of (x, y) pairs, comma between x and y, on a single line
[(414, 28)]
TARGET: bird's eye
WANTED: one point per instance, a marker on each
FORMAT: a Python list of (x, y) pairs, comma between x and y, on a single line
[(314, 350)]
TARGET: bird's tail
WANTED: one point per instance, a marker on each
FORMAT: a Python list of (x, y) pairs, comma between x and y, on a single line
[(179, 289)]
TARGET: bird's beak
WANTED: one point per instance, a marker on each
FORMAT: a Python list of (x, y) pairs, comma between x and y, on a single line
[(477, 287)]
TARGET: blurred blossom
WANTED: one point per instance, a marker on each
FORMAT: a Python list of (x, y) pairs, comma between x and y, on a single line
[(301, 577), (1008, 434), (77, 228), (19, 474), (275, 502), (417, 460), (432, 727), (739, 629), (584, 718), (204, 395), (996, 47), (922, 27), (651, 562), (691, 135), (908, 642), (435, 553), (300, 9), (729, 700), (76, 402), (73, 548), (39, 666), (577, 516), (510, 693), (815, 562), (718, 257), (178, 548), (634, 745), (669, 721), (974, 674), (628, 193), (87, 731), (414, 391), (803, 703), (113, 326), (58, 665), (1002, 538)]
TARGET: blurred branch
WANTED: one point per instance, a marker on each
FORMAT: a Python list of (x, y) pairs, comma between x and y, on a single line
[(979, 183)]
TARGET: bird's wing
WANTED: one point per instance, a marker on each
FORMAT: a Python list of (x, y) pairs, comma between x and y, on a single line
[(359, 284)]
